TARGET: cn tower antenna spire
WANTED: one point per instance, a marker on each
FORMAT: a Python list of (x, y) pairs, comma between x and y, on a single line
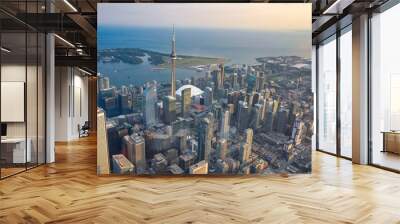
[(173, 32), (173, 64), (173, 52)]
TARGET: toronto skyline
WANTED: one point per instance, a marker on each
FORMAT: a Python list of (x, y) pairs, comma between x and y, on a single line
[(222, 117)]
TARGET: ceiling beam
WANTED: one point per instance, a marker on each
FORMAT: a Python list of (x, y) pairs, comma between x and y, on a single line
[(89, 30), (77, 61)]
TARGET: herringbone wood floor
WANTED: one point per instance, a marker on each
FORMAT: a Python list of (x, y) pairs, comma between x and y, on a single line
[(70, 192)]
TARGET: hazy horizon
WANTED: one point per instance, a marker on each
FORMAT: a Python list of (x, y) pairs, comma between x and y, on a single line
[(208, 42), (199, 28), (230, 16)]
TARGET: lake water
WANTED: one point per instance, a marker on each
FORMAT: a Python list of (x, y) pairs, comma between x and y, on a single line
[(236, 46), (125, 74)]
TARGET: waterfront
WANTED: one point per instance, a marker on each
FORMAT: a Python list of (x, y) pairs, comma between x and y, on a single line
[(125, 74), (235, 46)]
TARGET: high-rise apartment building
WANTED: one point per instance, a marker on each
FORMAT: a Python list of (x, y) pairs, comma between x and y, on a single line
[(224, 124), (139, 153), (169, 109), (205, 134), (150, 100), (243, 116), (186, 101)]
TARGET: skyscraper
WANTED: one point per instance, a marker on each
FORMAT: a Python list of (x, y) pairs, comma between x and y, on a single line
[(281, 121), (217, 79), (173, 65), (107, 83), (186, 101), (225, 125), (263, 103), (269, 115), (251, 83), (104, 83), (128, 148), (222, 148), (217, 112), (205, 136), (124, 90), (256, 98), (235, 84), (222, 72), (139, 154), (294, 109), (243, 116), (111, 106), (245, 149), (249, 98), (242, 80), (169, 109), (231, 108), (260, 81), (182, 140), (208, 96), (273, 114), (124, 103), (249, 136), (150, 100), (255, 118), (298, 131)]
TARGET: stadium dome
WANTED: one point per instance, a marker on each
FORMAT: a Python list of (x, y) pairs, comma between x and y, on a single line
[(194, 90)]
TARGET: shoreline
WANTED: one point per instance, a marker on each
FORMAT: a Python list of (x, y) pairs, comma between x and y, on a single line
[(134, 56)]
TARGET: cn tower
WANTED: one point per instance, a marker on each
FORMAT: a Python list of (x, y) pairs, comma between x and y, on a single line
[(173, 65)]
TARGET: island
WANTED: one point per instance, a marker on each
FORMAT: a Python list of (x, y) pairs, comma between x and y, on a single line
[(160, 60)]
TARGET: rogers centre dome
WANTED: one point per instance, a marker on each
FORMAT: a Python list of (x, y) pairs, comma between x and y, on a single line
[(194, 90)]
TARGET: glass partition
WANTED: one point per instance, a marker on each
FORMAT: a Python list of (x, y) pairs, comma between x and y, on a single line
[(22, 77), (13, 94), (327, 96)]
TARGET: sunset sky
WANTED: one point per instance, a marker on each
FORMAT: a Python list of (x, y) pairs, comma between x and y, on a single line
[(253, 16)]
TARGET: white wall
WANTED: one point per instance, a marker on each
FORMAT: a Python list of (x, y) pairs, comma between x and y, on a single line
[(14, 73), (71, 103), (33, 126), (80, 110)]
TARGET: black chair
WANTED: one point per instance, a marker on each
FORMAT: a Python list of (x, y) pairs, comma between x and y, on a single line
[(84, 130)]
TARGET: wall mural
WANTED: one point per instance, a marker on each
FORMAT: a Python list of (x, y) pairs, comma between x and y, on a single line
[(205, 88)]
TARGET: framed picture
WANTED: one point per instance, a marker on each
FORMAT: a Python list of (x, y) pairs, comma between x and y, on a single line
[(205, 88)]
